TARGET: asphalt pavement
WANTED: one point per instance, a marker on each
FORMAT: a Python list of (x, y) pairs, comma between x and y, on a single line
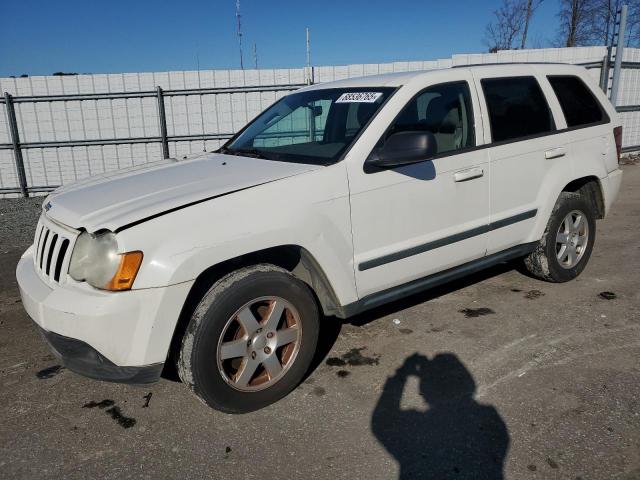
[(542, 379)]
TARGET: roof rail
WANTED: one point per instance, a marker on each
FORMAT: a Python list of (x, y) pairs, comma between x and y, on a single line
[(584, 64)]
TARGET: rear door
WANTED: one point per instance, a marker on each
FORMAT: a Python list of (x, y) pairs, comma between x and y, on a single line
[(590, 135), (524, 146)]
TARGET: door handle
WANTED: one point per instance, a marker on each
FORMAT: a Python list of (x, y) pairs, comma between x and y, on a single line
[(470, 174), (555, 153)]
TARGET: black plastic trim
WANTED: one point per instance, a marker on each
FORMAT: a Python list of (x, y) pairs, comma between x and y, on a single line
[(458, 237), (425, 283), (82, 358)]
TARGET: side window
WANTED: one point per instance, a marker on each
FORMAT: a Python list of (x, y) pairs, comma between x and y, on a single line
[(517, 108), (579, 105), (444, 110)]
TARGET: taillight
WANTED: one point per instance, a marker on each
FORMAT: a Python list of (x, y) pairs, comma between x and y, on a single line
[(617, 133)]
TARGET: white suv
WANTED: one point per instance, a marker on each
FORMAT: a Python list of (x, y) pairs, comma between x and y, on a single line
[(338, 198)]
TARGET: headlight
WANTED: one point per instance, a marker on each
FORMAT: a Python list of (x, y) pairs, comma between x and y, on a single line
[(96, 260)]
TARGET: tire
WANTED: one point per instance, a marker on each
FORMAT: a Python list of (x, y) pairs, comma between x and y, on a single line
[(221, 327), (543, 262)]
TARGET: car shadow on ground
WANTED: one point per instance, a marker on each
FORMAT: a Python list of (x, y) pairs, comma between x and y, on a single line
[(431, 294), (455, 437), (330, 327)]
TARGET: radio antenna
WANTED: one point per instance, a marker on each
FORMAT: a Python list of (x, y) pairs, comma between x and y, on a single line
[(309, 70), (255, 56), (239, 32)]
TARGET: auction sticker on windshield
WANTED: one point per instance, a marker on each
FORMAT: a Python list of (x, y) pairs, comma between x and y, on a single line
[(359, 97)]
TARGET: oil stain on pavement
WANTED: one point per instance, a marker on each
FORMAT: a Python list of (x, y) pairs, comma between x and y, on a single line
[(476, 312), (113, 411), (353, 358)]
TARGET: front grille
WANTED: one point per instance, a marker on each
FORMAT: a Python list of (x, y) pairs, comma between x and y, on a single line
[(52, 247)]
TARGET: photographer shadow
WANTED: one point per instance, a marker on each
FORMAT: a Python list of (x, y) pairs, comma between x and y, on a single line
[(456, 437)]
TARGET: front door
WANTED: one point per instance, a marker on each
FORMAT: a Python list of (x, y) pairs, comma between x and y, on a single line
[(415, 220)]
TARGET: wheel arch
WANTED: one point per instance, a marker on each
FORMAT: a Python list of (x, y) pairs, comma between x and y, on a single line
[(590, 188), (293, 258)]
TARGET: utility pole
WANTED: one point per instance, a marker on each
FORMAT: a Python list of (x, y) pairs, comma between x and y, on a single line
[(527, 18), (619, 50), (239, 32)]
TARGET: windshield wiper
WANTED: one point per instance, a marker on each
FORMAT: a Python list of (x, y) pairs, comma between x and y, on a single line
[(249, 152)]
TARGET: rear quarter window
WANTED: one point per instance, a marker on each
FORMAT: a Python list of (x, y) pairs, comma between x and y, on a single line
[(517, 108), (579, 105)]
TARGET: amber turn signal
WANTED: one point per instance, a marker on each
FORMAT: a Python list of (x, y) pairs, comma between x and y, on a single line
[(129, 265)]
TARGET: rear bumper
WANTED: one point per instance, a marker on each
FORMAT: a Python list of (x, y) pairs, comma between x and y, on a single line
[(82, 358), (611, 186)]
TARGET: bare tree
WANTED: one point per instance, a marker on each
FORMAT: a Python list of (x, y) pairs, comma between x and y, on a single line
[(604, 19), (592, 22), (510, 21), (576, 22), (502, 32)]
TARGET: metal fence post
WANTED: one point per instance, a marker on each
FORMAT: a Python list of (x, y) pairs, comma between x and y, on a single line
[(163, 124), (15, 140), (619, 51), (604, 72)]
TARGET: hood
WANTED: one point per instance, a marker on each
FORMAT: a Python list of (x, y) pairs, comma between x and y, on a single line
[(117, 199)]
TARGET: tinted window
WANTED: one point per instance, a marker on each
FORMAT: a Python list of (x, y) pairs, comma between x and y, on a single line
[(517, 108), (578, 104), (444, 110)]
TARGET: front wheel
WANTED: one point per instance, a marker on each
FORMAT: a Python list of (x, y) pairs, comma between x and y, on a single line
[(566, 245), (250, 340)]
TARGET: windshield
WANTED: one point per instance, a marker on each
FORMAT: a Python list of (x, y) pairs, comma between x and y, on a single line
[(315, 127)]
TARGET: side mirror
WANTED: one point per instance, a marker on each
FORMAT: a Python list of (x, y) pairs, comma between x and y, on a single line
[(404, 148)]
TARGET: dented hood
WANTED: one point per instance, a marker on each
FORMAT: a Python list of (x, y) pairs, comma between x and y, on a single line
[(115, 200)]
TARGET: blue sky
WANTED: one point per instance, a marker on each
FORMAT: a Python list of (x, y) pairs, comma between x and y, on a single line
[(40, 37)]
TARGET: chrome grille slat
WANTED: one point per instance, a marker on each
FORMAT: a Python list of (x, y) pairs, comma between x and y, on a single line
[(57, 272), (53, 245), (45, 248), (53, 254), (39, 230)]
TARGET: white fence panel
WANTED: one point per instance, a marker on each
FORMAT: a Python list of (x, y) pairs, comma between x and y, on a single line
[(221, 113)]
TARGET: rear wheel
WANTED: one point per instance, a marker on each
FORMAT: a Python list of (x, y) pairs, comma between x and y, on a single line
[(250, 340), (566, 245)]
